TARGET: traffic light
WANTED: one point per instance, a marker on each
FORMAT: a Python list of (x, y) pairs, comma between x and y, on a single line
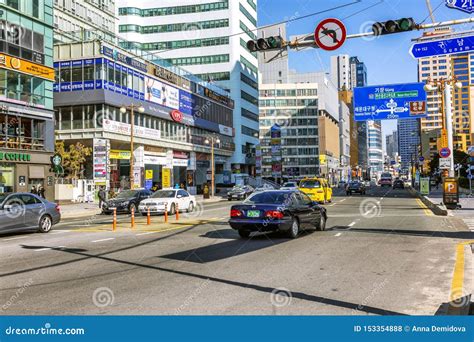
[(265, 44), (394, 26)]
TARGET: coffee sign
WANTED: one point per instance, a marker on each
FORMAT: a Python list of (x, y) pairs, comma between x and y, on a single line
[(10, 156)]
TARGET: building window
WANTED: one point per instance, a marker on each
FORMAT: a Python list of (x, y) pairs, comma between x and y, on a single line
[(247, 97), (199, 60)]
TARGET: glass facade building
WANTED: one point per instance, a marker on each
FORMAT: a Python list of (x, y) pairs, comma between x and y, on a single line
[(26, 95)]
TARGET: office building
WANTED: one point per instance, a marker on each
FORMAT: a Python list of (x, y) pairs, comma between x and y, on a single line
[(374, 148), (172, 135), (207, 38), (81, 20), (358, 73), (391, 145), (408, 142), (26, 97)]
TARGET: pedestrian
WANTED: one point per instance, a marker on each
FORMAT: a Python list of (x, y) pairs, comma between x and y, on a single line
[(33, 190), (41, 191), (102, 196)]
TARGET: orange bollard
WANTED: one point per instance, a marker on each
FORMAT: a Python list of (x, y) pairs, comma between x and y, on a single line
[(148, 219), (177, 212), (133, 218), (114, 222), (166, 212)]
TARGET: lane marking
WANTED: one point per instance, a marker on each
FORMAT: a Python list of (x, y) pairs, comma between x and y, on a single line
[(48, 248), (103, 240), (342, 200), (427, 211), (351, 224), (457, 284), (147, 233), (15, 238), (338, 234)]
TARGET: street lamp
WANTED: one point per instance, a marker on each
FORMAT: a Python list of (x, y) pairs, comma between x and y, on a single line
[(123, 110), (212, 140), (445, 86)]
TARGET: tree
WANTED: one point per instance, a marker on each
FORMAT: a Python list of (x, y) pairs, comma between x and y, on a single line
[(74, 156), (459, 158)]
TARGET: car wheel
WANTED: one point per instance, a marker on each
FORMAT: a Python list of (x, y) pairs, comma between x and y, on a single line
[(321, 225), (294, 229), (45, 224), (132, 206), (191, 207), (145, 214), (244, 233), (172, 209)]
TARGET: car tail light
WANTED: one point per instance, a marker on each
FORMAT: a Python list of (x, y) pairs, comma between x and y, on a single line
[(235, 213), (58, 208), (274, 214)]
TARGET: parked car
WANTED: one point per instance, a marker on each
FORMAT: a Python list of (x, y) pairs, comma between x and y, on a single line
[(125, 201), (172, 199), (355, 186), (398, 184), (289, 211), (318, 189), (25, 211), (342, 184), (289, 186), (239, 192), (264, 187)]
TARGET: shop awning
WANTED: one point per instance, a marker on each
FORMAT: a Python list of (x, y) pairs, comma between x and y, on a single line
[(36, 172)]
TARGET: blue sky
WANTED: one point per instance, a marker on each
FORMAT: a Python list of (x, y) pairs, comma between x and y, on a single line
[(386, 57)]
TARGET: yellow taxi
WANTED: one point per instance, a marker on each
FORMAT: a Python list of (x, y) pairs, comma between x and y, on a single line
[(318, 189)]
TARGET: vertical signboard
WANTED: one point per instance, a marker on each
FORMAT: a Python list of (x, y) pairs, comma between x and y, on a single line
[(275, 143), (425, 185), (166, 178), (450, 192), (100, 156)]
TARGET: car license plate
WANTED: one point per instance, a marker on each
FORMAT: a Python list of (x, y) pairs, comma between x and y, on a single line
[(253, 213)]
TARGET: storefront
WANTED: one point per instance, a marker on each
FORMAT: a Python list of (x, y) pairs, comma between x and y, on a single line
[(20, 172)]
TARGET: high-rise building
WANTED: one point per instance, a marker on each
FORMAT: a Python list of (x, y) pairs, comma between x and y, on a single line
[(26, 96), (391, 145), (347, 73), (374, 148), (207, 38), (82, 20), (408, 142)]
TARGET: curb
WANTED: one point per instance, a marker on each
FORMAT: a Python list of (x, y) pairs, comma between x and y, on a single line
[(435, 208)]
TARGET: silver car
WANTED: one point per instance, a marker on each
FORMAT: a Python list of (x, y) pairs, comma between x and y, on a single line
[(25, 211)]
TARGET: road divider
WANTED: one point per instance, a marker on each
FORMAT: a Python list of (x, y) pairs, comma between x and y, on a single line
[(436, 209)]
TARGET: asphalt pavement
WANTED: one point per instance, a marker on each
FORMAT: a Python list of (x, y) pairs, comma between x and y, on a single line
[(382, 253)]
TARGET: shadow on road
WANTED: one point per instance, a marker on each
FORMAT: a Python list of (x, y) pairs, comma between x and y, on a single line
[(464, 235), (358, 308)]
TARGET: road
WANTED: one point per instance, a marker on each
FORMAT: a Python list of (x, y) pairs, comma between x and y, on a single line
[(382, 253)]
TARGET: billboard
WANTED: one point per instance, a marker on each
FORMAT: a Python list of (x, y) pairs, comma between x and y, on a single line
[(161, 93)]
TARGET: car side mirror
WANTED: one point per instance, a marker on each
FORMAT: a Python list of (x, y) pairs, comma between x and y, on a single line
[(179, 196)]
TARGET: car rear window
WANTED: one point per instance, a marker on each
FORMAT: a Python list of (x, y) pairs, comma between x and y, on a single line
[(274, 197), (310, 184)]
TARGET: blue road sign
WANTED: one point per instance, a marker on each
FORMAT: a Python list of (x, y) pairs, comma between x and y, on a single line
[(421, 159), (395, 101), (470, 176), (393, 162), (444, 152), (443, 47), (463, 5)]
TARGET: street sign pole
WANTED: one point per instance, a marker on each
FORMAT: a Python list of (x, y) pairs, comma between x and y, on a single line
[(449, 126)]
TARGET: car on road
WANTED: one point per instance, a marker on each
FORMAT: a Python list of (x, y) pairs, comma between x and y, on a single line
[(126, 201), (398, 184), (25, 211), (289, 186), (385, 179), (318, 189), (171, 199), (239, 192), (355, 187), (287, 211)]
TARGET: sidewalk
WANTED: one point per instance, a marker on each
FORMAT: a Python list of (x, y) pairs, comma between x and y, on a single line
[(77, 210), (466, 202)]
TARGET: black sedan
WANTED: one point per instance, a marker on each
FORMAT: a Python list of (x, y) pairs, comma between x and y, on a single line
[(239, 192), (355, 186), (288, 211), (125, 201), (398, 184)]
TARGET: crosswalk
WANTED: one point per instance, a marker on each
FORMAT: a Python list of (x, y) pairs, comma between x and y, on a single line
[(469, 223)]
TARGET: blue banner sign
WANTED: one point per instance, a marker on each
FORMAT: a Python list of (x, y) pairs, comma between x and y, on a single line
[(463, 5), (443, 47), (385, 102)]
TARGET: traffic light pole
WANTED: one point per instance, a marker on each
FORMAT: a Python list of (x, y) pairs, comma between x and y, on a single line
[(449, 125)]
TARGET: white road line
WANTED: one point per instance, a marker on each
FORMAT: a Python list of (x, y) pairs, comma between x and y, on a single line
[(147, 233), (15, 238), (469, 223), (338, 234), (342, 200), (48, 248), (351, 224), (103, 240)]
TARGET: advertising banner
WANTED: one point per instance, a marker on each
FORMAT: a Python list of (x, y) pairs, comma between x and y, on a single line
[(166, 178), (425, 185), (161, 93)]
